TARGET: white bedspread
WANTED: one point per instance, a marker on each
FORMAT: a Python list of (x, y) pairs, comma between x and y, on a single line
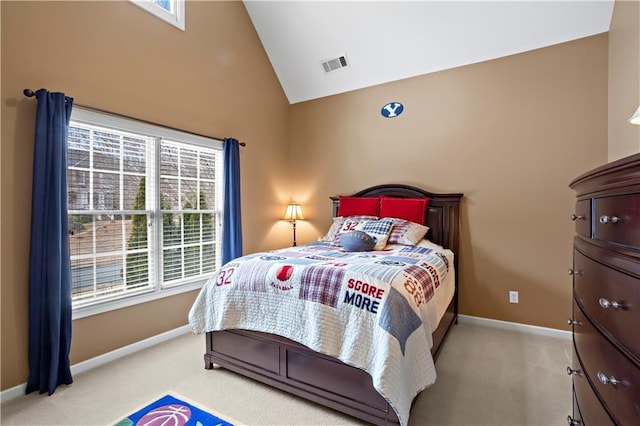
[(367, 309)]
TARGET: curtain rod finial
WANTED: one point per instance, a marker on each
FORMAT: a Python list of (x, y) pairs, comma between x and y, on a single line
[(28, 93)]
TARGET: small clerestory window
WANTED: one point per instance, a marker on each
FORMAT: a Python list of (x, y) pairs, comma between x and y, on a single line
[(171, 11)]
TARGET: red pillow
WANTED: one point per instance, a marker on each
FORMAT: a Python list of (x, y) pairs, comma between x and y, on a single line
[(358, 206), (413, 209)]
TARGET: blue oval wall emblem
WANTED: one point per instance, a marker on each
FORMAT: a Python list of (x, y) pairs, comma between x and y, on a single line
[(392, 109)]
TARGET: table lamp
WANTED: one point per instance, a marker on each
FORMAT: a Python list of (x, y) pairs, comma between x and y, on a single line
[(292, 214)]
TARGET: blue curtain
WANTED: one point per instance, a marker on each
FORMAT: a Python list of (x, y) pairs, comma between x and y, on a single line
[(231, 218), (49, 265)]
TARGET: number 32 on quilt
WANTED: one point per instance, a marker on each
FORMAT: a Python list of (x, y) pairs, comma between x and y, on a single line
[(224, 277)]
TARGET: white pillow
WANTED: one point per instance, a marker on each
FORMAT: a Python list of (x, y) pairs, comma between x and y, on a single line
[(406, 232)]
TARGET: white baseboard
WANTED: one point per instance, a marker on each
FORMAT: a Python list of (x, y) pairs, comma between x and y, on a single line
[(17, 391), (514, 326), (12, 393)]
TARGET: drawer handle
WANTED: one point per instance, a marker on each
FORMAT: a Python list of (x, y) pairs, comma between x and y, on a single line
[(575, 272), (606, 304), (607, 380), (571, 321), (572, 372), (604, 219), (573, 422), (576, 216)]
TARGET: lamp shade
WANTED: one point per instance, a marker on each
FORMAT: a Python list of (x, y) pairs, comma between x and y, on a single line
[(635, 118), (293, 213)]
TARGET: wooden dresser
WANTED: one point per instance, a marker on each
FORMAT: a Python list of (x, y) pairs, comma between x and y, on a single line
[(606, 296)]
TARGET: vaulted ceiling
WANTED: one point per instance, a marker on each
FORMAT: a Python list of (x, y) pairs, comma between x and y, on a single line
[(384, 41)]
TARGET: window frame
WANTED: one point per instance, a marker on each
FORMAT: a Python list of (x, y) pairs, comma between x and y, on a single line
[(157, 290), (176, 19)]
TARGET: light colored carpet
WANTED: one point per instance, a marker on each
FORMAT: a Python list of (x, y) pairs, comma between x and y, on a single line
[(486, 376)]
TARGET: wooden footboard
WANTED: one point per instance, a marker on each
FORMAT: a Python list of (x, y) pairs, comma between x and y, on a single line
[(294, 368)]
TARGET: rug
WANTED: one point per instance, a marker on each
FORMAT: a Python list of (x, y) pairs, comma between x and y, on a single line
[(171, 411)]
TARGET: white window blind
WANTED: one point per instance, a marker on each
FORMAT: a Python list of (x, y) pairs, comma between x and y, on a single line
[(144, 208)]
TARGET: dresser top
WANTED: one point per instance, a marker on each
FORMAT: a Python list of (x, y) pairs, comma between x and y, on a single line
[(623, 174)]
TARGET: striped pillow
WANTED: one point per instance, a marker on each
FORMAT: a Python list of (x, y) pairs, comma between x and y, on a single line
[(406, 232), (330, 236)]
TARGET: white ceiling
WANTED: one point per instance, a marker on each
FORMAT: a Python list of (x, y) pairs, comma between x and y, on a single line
[(391, 40)]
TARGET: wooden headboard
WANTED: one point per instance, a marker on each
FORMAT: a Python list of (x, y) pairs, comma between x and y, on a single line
[(442, 211)]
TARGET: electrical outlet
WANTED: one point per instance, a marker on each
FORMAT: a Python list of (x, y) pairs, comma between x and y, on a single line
[(513, 297)]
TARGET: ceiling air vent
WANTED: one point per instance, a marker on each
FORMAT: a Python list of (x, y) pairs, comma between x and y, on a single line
[(331, 65)]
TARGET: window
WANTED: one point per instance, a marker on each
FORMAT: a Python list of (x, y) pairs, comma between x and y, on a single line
[(171, 11), (144, 210)]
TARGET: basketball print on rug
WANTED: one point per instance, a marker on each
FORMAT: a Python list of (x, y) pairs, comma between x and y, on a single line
[(171, 411)]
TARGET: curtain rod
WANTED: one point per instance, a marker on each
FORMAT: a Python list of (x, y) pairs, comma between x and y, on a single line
[(30, 93)]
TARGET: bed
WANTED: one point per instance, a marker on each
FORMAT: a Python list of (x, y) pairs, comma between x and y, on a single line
[(317, 376)]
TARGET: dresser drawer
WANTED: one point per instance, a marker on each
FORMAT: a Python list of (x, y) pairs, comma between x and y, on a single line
[(594, 284), (576, 417), (582, 218), (617, 219), (602, 362), (590, 410)]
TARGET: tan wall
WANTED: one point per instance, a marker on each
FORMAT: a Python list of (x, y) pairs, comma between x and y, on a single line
[(509, 133), (624, 78), (214, 78)]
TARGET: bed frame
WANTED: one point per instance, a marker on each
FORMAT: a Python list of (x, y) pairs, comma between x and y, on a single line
[(290, 366)]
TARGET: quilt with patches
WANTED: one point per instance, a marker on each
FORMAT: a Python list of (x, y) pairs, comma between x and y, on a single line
[(368, 309)]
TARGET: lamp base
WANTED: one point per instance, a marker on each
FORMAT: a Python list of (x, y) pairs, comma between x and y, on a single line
[(294, 233)]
